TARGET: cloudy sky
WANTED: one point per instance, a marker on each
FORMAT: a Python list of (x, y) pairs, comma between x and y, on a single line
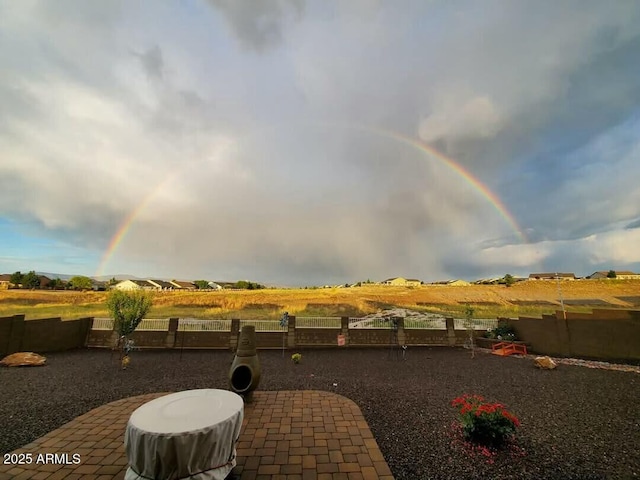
[(299, 142)]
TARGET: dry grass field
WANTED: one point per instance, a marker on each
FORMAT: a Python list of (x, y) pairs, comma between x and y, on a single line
[(489, 301)]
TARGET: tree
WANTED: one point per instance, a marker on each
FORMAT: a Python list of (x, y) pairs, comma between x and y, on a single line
[(128, 308), (611, 274), (201, 284), (16, 278), (80, 282), (509, 280), (246, 285), (55, 284), (112, 282), (468, 314), (31, 280)]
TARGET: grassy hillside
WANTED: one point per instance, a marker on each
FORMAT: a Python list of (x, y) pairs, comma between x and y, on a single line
[(489, 301)]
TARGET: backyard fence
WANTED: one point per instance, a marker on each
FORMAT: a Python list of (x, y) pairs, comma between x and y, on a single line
[(605, 334), (196, 325), (318, 322), (476, 323)]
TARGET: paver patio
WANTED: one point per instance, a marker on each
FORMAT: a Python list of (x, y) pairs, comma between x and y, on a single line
[(293, 435)]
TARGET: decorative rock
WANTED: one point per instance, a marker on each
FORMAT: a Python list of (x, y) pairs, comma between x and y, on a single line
[(23, 359), (545, 363)]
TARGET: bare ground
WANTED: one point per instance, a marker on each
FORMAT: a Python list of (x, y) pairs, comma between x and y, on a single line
[(577, 423)]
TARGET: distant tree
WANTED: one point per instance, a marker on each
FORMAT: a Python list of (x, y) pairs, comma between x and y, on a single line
[(56, 284), (112, 282), (16, 278), (611, 274), (31, 280), (80, 282), (509, 280), (201, 284), (246, 285)]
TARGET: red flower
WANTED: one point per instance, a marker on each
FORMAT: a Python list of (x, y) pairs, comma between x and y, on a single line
[(511, 417)]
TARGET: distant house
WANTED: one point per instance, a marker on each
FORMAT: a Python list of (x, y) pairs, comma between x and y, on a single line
[(162, 285), (488, 281), (620, 275), (552, 276), (457, 283), (135, 285), (402, 282), (5, 281), (44, 281), (217, 286), (183, 285)]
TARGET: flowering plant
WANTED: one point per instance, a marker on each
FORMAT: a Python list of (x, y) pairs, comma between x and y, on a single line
[(484, 422)]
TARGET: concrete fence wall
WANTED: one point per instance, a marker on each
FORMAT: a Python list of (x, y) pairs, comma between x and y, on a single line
[(54, 334), (290, 337), (43, 335), (602, 334)]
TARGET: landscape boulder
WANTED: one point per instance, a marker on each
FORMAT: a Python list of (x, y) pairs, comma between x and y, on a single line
[(23, 359), (545, 362)]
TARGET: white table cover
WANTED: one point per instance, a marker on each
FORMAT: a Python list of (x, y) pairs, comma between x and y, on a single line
[(190, 434)]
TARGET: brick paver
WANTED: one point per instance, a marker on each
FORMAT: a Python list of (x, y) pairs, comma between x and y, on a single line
[(288, 434)]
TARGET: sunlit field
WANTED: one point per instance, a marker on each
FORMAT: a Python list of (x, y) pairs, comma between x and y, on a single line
[(529, 298)]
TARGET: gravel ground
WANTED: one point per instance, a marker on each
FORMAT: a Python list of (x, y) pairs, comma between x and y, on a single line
[(577, 423)]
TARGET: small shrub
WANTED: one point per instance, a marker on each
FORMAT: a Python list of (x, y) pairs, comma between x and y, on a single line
[(483, 422), (502, 332), (296, 357)]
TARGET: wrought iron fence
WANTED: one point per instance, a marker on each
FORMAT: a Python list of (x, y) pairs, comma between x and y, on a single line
[(477, 323), (381, 323), (318, 322), (102, 324), (197, 325), (425, 324), (264, 325), (154, 324)]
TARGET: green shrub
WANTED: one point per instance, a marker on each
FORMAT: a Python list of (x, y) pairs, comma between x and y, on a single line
[(483, 422), (502, 332)]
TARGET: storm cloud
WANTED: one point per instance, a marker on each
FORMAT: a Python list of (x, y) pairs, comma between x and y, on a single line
[(288, 141)]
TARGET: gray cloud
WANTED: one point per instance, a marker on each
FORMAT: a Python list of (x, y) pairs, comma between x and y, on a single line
[(259, 25), (152, 62), (295, 167)]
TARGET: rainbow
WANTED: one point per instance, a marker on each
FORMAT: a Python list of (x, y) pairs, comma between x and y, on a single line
[(124, 227), (493, 199)]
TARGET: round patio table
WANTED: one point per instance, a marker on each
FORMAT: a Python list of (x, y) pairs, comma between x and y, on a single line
[(190, 434)]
